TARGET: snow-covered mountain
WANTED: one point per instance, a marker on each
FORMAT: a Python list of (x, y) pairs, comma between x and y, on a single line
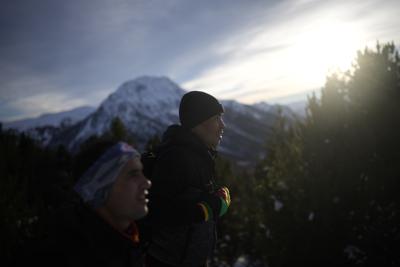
[(60, 119), (286, 111), (145, 105), (148, 105), (295, 109), (299, 107), (247, 130)]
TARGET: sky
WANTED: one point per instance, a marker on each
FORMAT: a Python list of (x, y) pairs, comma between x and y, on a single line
[(57, 55)]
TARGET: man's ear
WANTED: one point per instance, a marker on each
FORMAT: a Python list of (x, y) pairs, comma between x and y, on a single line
[(195, 129)]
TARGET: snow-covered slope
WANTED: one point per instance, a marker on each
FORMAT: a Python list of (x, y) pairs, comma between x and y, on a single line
[(299, 108), (247, 130), (291, 110), (65, 118), (286, 111)]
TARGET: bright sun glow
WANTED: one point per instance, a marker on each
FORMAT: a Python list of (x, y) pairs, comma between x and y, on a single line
[(306, 52), (324, 48)]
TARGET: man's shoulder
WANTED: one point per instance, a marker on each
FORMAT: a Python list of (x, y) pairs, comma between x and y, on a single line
[(174, 159), (175, 153)]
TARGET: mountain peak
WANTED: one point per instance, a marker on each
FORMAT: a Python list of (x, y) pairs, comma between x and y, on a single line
[(145, 91), (137, 103), (145, 84)]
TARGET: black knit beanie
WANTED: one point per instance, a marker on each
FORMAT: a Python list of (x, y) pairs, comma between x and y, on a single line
[(196, 107)]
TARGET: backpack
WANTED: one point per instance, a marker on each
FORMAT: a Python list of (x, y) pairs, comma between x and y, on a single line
[(148, 159)]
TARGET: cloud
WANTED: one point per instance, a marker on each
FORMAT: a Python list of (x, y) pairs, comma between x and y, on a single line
[(69, 47), (282, 57), (26, 93), (48, 102), (82, 50), (37, 105)]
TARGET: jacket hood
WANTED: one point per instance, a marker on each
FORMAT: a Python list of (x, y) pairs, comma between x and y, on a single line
[(177, 135)]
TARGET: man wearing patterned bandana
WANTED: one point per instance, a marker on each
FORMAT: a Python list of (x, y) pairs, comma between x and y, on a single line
[(100, 230), (185, 203), (115, 186)]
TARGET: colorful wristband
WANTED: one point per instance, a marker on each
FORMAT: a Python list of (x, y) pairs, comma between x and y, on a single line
[(208, 214), (224, 207)]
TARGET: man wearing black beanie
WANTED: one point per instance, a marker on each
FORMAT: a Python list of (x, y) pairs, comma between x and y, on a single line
[(185, 203)]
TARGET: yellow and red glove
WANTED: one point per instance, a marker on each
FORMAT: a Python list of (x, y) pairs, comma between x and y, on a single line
[(223, 193), (215, 205)]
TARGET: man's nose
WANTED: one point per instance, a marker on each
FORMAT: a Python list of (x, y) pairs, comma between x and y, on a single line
[(222, 124), (146, 182)]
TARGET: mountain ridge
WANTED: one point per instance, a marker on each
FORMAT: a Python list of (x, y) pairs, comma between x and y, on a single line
[(148, 105)]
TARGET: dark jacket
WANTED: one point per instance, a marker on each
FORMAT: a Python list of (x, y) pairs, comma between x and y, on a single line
[(183, 175), (81, 238)]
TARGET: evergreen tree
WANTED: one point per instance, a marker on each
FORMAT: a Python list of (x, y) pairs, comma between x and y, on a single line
[(329, 185), (119, 132), (32, 185), (117, 129)]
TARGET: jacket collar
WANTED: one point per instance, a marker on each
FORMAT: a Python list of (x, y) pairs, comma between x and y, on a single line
[(176, 135)]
